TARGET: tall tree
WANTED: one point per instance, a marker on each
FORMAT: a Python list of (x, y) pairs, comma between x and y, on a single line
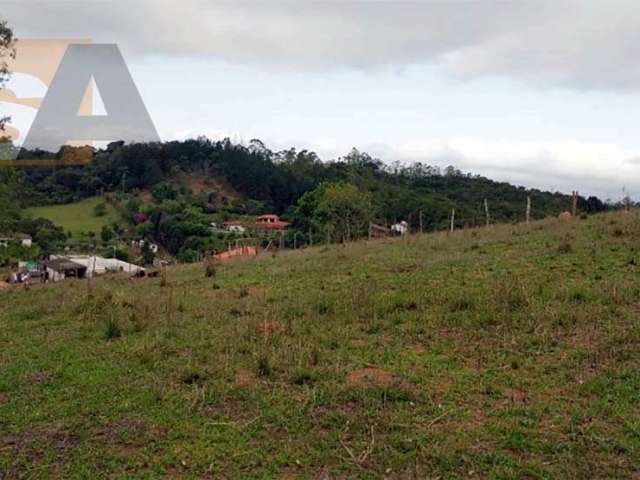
[(7, 51), (338, 208)]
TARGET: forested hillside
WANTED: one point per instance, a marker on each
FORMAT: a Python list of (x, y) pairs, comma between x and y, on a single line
[(175, 194), (275, 181)]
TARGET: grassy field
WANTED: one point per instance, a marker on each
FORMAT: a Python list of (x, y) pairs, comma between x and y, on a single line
[(508, 352), (77, 218)]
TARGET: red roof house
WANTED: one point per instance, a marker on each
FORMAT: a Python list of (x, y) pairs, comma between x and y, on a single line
[(271, 222)]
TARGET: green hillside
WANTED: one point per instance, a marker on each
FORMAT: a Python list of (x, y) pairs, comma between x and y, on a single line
[(507, 352), (77, 218)]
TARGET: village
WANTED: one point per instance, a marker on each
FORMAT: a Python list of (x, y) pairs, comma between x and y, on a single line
[(245, 240)]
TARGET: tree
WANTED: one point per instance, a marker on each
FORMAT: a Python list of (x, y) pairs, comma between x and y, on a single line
[(9, 211), (100, 210), (106, 234), (340, 207), (7, 51)]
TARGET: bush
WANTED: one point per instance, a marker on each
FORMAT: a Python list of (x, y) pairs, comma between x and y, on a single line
[(565, 247), (264, 366), (187, 255), (210, 269), (111, 329), (100, 210)]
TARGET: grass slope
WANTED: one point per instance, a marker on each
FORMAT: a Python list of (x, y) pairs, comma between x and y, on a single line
[(508, 352), (77, 217)]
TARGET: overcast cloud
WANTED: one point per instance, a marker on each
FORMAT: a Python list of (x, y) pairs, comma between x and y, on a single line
[(561, 42), (569, 68)]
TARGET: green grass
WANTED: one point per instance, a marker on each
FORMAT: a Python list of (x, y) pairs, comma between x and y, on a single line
[(489, 353), (77, 218)]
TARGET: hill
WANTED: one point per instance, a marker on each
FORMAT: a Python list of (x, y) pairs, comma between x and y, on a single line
[(275, 181), (507, 352), (77, 218)]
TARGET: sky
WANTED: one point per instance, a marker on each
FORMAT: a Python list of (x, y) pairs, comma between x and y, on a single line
[(544, 94)]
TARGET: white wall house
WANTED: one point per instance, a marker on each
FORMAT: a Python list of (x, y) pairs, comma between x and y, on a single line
[(400, 228), (99, 265), (24, 240)]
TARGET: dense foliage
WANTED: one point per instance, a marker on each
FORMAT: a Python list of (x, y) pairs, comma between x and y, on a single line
[(275, 181)]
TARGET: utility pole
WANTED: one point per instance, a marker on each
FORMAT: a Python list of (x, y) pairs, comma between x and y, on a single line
[(486, 212), (528, 217), (574, 209)]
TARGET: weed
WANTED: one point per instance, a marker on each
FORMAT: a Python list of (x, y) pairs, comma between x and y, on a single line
[(565, 247), (461, 304), (210, 269), (263, 368), (111, 329), (303, 377)]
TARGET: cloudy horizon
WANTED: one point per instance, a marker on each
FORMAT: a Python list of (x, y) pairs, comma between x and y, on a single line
[(541, 94)]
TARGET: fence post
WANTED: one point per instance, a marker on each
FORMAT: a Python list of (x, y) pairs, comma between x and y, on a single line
[(574, 204), (486, 212), (420, 221), (453, 219), (528, 209)]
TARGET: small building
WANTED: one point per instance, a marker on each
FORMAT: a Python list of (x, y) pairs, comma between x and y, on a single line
[(271, 222), (61, 268), (141, 243), (400, 228), (95, 265), (378, 231), (23, 240), (234, 226)]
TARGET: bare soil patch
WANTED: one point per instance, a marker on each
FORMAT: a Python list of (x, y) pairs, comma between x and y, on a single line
[(370, 377), (244, 377)]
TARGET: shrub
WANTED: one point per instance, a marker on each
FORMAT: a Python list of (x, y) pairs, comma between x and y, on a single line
[(111, 329), (264, 366), (210, 269), (100, 210), (565, 247)]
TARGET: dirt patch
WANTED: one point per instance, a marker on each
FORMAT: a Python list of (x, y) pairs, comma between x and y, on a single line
[(244, 377), (358, 342), (232, 411), (517, 396), (269, 329), (4, 285), (127, 435), (370, 377), (32, 444), (259, 291), (39, 377), (222, 294)]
